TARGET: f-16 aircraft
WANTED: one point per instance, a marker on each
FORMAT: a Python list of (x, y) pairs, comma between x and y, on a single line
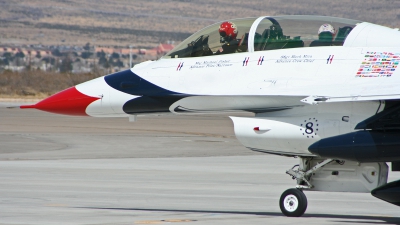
[(322, 89)]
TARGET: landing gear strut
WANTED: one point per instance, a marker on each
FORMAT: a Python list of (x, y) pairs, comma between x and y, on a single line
[(293, 202)]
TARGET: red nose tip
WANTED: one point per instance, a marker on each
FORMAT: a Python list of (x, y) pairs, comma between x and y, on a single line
[(68, 102)]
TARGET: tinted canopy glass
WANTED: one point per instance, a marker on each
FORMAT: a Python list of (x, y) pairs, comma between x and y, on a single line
[(208, 41), (265, 33), (300, 31)]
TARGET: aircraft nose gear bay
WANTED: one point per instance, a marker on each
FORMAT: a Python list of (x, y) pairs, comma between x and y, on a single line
[(329, 175), (324, 90)]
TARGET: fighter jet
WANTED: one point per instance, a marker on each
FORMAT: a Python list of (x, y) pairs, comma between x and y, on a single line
[(322, 89)]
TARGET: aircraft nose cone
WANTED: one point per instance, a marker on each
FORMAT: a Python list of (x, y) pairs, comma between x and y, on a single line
[(68, 102)]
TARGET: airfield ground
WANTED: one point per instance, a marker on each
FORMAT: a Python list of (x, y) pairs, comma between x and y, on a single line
[(162, 169)]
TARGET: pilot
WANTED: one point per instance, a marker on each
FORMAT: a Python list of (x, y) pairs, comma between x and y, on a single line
[(228, 33), (326, 33)]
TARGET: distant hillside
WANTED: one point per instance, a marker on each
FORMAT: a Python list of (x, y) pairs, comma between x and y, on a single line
[(149, 22)]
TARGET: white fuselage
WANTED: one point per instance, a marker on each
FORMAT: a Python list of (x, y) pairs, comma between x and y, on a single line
[(348, 79)]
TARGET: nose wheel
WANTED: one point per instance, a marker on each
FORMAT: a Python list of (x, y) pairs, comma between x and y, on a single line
[(293, 202)]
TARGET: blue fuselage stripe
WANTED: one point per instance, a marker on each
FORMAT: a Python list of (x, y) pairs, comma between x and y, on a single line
[(153, 98)]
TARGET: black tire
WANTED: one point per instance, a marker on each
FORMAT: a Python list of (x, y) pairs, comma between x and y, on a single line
[(293, 202)]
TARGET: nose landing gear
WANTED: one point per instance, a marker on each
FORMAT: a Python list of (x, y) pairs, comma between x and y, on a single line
[(293, 202)]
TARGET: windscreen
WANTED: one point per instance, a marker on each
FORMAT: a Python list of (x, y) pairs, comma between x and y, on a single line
[(210, 41)]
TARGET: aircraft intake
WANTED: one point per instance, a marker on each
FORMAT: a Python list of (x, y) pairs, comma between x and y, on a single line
[(360, 146), (389, 192)]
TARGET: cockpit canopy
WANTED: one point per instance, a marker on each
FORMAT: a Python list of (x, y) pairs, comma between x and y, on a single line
[(266, 33)]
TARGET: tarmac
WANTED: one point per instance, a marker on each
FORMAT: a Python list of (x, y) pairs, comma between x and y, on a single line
[(161, 169)]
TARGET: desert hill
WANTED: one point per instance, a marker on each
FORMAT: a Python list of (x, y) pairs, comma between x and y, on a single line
[(146, 23)]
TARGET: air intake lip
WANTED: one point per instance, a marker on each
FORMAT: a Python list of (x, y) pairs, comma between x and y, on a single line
[(389, 192)]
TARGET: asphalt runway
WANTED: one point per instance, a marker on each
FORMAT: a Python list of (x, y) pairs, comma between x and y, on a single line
[(162, 169)]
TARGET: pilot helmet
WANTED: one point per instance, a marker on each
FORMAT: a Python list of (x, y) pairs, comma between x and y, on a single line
[(228, 31), (326, 28)]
